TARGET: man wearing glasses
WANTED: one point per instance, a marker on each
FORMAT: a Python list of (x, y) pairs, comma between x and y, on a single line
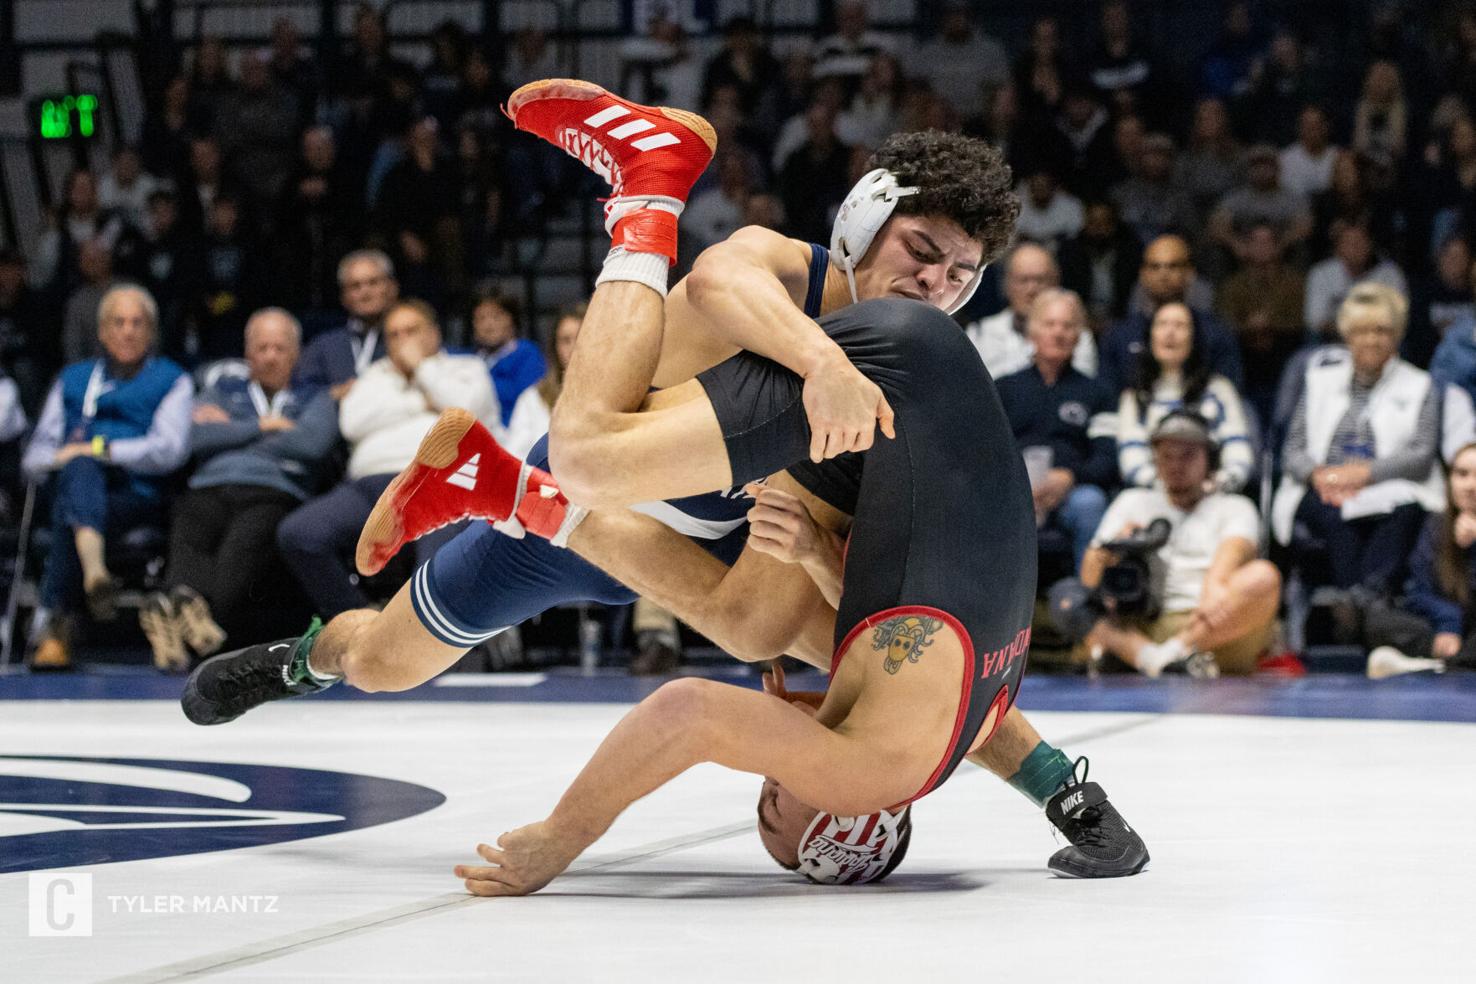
[(368, 289)]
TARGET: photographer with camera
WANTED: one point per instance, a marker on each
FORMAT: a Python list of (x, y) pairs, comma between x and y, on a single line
[(1172, 575)]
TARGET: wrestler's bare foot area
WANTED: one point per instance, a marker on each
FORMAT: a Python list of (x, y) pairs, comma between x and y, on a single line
[(523, 861)]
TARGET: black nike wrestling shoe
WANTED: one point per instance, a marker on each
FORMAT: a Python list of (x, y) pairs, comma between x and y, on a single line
[(226, 686), (1102, 844)]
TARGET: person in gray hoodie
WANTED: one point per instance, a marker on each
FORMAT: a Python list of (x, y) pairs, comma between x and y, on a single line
[(260, 448)]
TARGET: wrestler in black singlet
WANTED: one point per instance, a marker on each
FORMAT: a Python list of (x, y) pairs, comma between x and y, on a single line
[(944, 523)]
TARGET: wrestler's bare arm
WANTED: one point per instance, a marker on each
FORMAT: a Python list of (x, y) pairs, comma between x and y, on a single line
[(685, 723), (755, 610), (744, 294), (793, 527), (704, 328)]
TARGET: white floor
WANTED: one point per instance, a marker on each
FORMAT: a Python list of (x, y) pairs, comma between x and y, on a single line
[(1283, 850)]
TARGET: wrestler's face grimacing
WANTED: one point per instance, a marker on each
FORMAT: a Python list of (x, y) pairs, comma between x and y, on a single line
[(928, 258), (782, 821)]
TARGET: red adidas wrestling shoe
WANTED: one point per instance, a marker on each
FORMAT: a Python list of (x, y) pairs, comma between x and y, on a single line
[(651, 156), (459, 472)]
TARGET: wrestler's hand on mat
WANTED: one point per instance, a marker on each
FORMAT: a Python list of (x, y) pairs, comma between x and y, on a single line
[(523, 861), (844, 409)]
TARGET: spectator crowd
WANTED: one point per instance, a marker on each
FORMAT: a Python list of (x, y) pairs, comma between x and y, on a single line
[(1240, 301)]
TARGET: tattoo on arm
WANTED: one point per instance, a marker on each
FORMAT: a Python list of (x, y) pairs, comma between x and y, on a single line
[(903, 638)]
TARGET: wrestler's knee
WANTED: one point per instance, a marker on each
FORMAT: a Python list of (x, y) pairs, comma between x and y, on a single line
[(918, 341), (580, 453)]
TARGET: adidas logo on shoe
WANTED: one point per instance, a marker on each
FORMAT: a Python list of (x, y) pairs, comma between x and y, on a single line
[(591, 151), (465, 477)]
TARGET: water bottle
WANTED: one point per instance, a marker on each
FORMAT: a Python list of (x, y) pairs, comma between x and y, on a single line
[(590, 631)]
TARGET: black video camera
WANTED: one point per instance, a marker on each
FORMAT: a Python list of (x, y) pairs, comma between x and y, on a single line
[(1126, 588)]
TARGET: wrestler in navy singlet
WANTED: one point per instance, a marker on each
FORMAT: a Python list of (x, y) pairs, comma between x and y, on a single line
[(482, 581)]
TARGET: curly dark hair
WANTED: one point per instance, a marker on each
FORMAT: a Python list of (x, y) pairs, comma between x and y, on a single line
[(961, 178)]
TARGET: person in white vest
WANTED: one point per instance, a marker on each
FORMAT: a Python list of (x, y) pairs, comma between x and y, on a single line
[(1002, 339), (1360, 466)]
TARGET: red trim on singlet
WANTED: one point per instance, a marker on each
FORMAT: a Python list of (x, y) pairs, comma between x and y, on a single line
[(999, 709), (968, 676)]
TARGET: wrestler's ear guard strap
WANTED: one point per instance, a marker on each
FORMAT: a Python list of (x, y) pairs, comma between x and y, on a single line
[(866, 208)]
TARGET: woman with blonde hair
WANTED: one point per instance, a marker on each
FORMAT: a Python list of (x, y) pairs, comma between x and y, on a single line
[(1359, 465)]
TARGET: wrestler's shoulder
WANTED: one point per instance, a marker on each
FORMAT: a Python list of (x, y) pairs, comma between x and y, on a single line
[(777, 251)]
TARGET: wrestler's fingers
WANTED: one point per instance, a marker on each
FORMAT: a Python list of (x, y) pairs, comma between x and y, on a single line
[(780, 503), (817, 444), (491, 853), (776, 513), (885, 419), (780, 547), (766, 494), (488, 888), (770, 541), (834, 443)]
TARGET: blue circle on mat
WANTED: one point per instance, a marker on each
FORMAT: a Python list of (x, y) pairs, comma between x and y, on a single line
[(110, 811)]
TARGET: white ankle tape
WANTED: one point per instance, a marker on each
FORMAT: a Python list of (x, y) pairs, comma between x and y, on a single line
[(650, 269), (573, 516)]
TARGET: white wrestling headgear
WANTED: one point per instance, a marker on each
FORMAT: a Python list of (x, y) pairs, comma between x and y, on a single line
[(866, 208), (854, 850)]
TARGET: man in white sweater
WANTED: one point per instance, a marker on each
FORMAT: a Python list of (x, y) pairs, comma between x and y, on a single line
[(383, 417), (1002, 339)]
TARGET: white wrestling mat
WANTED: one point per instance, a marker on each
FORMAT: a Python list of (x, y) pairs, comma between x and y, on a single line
[(1284, 849)]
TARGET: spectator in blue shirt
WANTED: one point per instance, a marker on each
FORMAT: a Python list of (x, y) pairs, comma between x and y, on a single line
[(514, 362), (111, 430), (1064, 423), (368, 289), (259, 447)]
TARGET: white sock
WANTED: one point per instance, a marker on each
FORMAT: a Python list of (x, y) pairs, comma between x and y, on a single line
[(321, 677), (1153, 658), (650, 269)]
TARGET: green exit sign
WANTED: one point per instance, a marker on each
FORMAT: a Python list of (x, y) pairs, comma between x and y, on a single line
[(64, 117)]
